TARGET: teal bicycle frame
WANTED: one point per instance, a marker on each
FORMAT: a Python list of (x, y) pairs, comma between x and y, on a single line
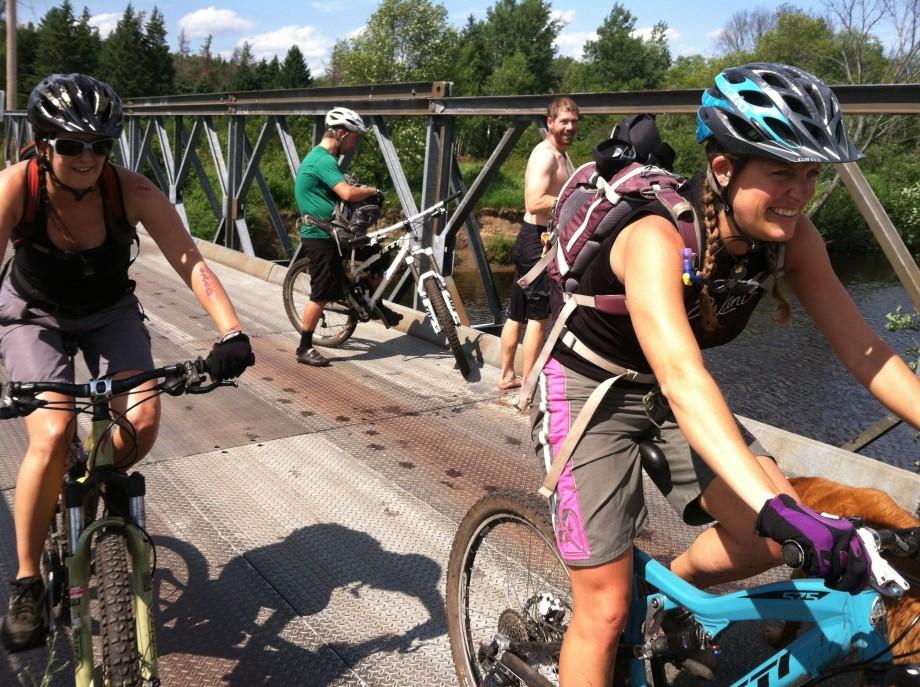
[(844, 623)]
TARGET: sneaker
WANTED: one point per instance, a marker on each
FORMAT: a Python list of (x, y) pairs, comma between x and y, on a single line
[(312, 357), (24, 626), (389, 317)]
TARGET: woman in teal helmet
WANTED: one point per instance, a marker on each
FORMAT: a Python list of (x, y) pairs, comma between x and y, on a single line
[(768, 129)]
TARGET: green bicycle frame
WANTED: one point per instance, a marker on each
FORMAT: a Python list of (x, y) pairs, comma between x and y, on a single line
[(78, 559)]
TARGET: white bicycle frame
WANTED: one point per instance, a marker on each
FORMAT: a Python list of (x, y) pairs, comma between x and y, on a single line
[(409, 253)]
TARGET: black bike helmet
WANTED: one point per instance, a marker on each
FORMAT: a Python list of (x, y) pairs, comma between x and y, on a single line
[(75, 103), (777, 111)]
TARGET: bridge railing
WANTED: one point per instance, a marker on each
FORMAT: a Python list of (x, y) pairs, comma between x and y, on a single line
[(235, 160)]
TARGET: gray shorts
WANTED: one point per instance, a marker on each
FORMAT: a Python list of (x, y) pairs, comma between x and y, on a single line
[(599, 505), (36, 346)]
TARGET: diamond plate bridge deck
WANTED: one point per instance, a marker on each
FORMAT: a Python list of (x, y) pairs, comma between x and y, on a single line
[(303, 521)]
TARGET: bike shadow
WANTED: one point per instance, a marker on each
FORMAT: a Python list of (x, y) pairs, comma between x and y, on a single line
[(270, 612)]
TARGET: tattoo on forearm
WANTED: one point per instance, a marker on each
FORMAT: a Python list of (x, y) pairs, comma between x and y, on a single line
[(207, 281)]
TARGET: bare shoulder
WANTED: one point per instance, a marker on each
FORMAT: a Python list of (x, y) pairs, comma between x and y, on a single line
[(12, 190), (133, 183), (141, 196), (542, 155)]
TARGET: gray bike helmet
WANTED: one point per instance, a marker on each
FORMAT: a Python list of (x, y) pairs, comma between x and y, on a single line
[(777, 111), (343, 117), (75, 103)]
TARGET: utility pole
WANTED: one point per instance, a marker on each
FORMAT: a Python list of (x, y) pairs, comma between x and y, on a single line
[(12, 84)]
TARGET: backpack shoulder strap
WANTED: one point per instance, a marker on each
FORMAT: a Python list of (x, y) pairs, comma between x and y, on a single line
[(33, 191), (111, 192)]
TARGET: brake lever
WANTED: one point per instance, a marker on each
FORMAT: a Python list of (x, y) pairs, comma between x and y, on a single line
[(203, 389), (885, 579)]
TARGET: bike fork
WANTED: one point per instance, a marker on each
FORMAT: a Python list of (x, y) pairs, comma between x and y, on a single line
[(78, 573), (426, 302)]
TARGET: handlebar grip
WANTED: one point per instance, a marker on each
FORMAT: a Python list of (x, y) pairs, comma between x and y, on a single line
[(793, 555)]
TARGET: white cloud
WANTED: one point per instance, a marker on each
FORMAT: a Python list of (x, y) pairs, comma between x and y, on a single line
[(354, 33), (212, 21), (105, 22), (571, 43), (565, 16), (314, 46)]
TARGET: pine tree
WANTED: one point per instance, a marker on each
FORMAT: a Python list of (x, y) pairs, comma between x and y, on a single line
[(245, 78), (118, 61), (159, 72), (55, 38), (294, 70)]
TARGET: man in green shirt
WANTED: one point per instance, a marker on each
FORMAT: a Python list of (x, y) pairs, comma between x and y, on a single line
[(320, 184)]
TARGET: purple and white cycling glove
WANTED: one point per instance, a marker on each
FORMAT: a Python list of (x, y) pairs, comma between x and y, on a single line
[(830, 545)]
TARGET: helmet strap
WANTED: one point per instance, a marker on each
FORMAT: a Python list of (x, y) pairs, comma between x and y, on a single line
[(726, 206), (79, 194)]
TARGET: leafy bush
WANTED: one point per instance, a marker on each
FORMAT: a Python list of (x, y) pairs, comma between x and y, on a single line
[(498, 249)]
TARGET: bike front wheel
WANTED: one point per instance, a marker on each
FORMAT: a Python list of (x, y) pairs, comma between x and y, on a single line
[(446, 322), (336, 323), (120, 659), (508, 596)]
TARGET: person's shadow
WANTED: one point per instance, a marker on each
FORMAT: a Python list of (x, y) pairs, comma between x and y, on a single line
[(266, 614)]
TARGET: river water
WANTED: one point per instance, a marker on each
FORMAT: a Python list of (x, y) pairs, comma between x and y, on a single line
[(787, 376)]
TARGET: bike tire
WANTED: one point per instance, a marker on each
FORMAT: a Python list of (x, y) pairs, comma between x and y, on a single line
[(502, 562), (338, 320), (442, 313), (120, 659)]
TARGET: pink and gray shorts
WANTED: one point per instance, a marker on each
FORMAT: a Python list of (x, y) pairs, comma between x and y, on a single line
[(599, 505)]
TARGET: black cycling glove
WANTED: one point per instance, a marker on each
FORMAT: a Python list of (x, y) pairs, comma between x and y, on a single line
[(230, 356), (830, 545)]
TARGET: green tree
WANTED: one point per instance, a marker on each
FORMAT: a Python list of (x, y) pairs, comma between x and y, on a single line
[(801, 39), (268, 74), (526, 27), (405, 40), (26, 51), (119, 58), (513, 76), (472, 66), (245, 77), (64, 45), (294, 70), (620, 60), (159, 72)]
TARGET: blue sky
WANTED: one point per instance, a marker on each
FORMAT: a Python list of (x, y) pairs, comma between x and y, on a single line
[(272, 26)]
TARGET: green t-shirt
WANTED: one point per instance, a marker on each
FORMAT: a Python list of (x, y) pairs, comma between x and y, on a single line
[(318, 173)]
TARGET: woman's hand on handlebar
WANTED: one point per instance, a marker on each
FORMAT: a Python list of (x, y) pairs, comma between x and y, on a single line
[(830, 546), (230, 356)]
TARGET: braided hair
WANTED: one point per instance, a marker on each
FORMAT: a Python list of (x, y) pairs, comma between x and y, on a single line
[(713, 202)]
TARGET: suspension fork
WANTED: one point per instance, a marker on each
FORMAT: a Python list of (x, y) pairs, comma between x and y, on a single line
[(78, 556), (421, 278)]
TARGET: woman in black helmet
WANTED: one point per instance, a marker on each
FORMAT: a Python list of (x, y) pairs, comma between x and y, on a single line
[(767, 128), (71, 217)]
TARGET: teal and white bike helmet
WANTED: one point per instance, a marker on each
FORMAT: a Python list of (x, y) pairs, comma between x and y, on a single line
[(776, 111), (343, 117)]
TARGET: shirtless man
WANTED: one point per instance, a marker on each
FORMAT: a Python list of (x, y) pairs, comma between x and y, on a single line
[(547, 170)]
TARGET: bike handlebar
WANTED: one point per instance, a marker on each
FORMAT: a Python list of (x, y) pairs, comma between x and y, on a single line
[(904, 542), (20, 398)]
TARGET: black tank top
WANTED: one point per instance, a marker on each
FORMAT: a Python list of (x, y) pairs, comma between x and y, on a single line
[(613, 336), (74, 283)]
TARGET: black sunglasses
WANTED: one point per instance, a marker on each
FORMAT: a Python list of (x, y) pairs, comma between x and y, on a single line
[(71, 147)]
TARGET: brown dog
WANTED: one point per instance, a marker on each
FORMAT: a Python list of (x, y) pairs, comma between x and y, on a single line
[(877, 509)]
